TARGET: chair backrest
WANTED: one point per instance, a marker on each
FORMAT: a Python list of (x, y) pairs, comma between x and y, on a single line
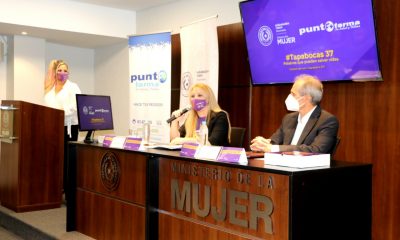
[(335, 147), (237, 136)]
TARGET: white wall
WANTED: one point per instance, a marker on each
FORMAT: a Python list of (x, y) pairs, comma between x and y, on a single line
[(3, 69), (3, 72), (112, 78), (173, 16), (106, 72), (23, 77), (28, 69), (80, 62)]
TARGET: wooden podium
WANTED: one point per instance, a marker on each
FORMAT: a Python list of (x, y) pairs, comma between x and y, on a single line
[(32, 152)]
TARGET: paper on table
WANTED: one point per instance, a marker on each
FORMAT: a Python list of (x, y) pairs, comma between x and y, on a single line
[(297, 159), (165, 146), (208, 152), (118, 142)]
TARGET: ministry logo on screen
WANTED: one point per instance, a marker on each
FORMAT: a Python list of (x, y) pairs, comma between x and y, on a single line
[(85, 110), (265, 36)]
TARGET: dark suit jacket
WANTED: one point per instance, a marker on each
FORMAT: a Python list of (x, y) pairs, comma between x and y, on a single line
[(319, 134), (218, 129)]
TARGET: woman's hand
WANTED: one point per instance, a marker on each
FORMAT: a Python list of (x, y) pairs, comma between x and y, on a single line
[(178, 115), (174, 130)]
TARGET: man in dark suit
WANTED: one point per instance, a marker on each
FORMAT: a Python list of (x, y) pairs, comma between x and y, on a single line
[(308, 128)]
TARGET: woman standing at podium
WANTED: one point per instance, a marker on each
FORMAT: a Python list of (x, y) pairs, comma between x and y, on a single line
[(60, 94)]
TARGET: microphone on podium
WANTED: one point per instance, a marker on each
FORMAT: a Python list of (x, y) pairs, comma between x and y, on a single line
[(183, 111)]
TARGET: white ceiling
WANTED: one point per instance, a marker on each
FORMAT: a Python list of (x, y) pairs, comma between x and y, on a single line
[(81, 39), (76, 39), (134, 5)]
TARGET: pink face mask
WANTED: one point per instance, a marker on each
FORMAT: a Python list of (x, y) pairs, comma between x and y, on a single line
[(199, 104), (62, 76)]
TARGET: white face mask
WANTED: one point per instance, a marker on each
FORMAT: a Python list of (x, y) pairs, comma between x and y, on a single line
[(292, 104)]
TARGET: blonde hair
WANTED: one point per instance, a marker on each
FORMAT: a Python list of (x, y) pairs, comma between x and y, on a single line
[(60, 63), (54, 65), (213, 106), (51, 73)]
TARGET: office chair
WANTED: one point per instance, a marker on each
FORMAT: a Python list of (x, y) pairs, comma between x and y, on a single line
[(237, 136), (335, 147)]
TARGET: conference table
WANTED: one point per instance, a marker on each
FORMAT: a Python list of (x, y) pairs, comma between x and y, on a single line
[(114, 193)]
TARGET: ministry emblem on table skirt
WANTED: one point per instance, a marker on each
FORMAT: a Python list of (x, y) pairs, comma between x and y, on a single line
[(110, 171)]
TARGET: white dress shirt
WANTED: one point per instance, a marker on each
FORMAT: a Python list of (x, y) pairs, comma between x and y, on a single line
[(301, 123)]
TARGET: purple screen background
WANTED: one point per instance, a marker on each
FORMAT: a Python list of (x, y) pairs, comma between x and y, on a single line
[(345, 53), (91, 109)]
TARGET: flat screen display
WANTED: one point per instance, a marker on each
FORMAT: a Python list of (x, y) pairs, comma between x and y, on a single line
[(94, 112), (331, 39)]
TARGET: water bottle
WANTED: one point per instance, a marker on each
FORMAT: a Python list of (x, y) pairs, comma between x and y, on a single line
[(146, 133), (203, 133)]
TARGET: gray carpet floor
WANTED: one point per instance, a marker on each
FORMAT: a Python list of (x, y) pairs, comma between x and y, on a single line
[(45, 224), (7, 235)]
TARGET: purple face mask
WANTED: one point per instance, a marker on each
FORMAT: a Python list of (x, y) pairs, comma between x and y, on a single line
[(62, 76), (199, 104)]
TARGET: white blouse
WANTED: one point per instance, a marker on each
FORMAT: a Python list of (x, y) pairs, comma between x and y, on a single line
[(65, 100)]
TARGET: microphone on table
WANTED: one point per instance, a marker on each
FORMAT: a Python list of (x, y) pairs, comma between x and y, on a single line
[(183, 111)]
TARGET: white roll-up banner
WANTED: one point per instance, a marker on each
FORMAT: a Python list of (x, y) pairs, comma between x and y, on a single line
[(199, 56), (150, 85)]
